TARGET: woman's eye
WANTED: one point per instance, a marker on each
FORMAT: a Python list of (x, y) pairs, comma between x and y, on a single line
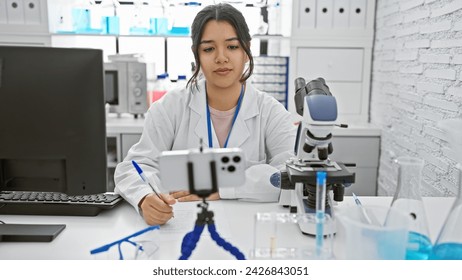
[(233, 47), (208, 49)]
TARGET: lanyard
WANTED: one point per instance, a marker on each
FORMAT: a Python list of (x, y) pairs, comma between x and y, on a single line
[(209, 123)]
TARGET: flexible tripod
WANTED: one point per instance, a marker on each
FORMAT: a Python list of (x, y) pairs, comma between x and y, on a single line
[(205, 217)]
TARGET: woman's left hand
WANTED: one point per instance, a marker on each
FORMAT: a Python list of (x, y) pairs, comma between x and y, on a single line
[(184, 196)]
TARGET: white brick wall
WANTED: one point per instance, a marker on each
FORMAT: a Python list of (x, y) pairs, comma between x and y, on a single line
[(416, 82)]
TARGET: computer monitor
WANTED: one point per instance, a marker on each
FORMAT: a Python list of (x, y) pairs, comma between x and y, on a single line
[(52, 120)]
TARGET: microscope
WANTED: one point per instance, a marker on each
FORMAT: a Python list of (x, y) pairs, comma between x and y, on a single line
[(318, 107)]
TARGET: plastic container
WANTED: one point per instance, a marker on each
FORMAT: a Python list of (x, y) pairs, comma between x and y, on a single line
[(110, 22), (159, 88), (181, 82), (359, 240), (139, 21), (86, 19)]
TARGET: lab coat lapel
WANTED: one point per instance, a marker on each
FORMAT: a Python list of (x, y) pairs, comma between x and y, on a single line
[(249, 109), (198, 115)]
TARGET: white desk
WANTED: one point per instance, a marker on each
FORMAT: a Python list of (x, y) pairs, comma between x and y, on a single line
[(236, 219)]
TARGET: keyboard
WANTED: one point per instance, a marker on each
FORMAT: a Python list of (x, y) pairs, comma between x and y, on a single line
[(54, 203)]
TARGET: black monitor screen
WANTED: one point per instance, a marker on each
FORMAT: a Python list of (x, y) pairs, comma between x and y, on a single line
[(52, 120)]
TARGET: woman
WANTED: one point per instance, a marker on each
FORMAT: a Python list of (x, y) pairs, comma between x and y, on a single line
[(221, 108)]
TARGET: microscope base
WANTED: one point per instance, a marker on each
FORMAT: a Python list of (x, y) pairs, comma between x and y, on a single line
[(308, 226), (285, 197)]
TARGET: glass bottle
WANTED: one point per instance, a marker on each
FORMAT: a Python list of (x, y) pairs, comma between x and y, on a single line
[(448, 245), (408, 199)]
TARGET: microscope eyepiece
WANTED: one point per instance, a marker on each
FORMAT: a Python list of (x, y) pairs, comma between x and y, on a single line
[(299, 84)]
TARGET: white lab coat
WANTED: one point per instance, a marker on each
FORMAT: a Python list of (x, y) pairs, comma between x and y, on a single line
[(263, 130)]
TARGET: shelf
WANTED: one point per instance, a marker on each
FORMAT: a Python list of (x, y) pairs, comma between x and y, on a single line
[(268, 37), (121, 35), (256, 36)]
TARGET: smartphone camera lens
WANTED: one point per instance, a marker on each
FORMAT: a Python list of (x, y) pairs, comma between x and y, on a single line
[(231, 168), (236, 159), (225, 159)]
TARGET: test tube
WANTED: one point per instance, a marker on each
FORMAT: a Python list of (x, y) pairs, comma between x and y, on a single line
[(320, 209)]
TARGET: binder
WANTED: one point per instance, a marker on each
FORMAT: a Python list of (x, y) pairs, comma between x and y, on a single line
[(358, 13), (15, 11), (32, 12), (324, 13), (307, 14), (3, 17), (341, 13)]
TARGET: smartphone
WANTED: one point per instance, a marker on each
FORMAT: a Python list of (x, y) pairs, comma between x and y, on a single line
[(227, 163)]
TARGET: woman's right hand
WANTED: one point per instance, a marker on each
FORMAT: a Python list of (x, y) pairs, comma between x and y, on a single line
[(155, 211)]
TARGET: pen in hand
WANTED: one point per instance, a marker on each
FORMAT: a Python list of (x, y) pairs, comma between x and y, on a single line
[(145, 179)]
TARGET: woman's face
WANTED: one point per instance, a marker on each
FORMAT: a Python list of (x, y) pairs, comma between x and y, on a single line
[(221, 56)]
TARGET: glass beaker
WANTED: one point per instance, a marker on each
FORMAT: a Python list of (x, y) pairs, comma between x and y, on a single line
[(408, 199), (277, 236), (448, 245)]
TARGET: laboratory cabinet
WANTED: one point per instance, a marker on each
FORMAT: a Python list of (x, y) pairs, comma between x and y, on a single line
[(118, 145), (363, 152), (333, 39), (343, 70), (24, 22), (123, 131)]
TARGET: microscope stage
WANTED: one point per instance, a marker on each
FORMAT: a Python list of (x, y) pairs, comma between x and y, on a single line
[(337, 173)]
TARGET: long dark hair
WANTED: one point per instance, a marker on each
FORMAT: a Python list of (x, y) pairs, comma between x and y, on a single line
[(220, 12)]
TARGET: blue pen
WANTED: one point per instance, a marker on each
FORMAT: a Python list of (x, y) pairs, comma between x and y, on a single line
[(143, 177), (371, 220)]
